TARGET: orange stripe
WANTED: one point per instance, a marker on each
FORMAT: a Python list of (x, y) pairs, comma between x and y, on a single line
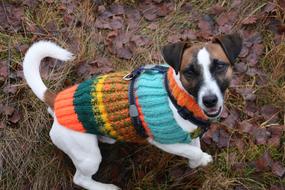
[(144, 124), (64, 110), (182, 98)]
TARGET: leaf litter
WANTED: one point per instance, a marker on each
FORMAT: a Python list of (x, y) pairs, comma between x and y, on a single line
[(121, 24)]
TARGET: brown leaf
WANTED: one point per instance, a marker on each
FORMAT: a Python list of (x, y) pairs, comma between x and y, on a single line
[(275, 187), (216, 9), (206, 25), (281, 28), (224, 139), (140, 40), (236, 3), (240, 67), (261, 135), (3, 70), (30, 3), (152, 26), (249, 20), (10, 89), (246, 127), (270, 7), (124, 53), (239, 144), (274, 141), (269, 112), (15, 117), (227, 18), (187, 7), (173, 38), (264, 162), (232, 119), (188, 34), (247, 93), (277, 169), (165, 9), (117, 9), (8, 110), (116, 23), (251, 109), (2, 126), (150, 13), (225, 113), (133, 18)]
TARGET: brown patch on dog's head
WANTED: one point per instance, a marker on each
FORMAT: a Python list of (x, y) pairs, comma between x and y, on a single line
[(183, 59)]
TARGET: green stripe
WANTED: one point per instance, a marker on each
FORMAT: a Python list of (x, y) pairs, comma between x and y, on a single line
[(83, 106)]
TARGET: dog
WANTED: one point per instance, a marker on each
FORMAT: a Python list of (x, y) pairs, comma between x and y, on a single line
[(163, 105)]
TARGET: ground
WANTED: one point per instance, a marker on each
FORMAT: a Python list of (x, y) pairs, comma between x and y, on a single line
[(247, 143)]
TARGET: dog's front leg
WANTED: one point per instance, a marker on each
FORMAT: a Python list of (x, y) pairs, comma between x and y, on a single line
[(195, 155)]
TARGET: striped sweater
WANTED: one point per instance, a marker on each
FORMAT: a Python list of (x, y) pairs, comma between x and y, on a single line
[(100, 106)]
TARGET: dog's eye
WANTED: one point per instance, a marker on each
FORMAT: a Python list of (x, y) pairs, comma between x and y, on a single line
[(190, 72), (220, 66)]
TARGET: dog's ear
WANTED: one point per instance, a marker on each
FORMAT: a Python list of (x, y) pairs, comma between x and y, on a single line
[(172, 54), (231, 44)]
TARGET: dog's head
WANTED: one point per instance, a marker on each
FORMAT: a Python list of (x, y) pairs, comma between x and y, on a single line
[(205, 70)]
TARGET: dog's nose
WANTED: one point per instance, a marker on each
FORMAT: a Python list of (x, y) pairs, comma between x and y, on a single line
[(210, 100)]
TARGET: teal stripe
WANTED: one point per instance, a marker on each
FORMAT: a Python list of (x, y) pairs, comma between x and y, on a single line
[(153, 99), (83, 106)]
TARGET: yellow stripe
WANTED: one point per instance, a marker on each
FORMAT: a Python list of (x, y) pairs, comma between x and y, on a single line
[(104, 114)]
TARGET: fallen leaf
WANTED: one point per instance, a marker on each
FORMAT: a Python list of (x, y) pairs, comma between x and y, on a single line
[(116, 23), (3, 70), (8, 110), (15, 117), (216, 9), (251, 109), (140, 40), (281, 28), (261, 135), (10, 89), (124, 53), (240, 67), (239, 144), (269, 112), (249, 20), (232, 119), (188, 34), (117, 9), (245, 126), (274, 141), (152, 26), (2, 126), (206, 26), (187, 7), (277, 169), (173, 38), (264, 162), (270, 7), (224, 139)]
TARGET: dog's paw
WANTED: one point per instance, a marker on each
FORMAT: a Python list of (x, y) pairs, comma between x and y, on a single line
[(206, 159), (112, 187), (203, 161)]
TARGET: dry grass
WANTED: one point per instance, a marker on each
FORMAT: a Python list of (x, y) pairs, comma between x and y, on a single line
[(31, 161)]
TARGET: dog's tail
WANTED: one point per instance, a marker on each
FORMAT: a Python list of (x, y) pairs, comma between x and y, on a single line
[(31, 67)]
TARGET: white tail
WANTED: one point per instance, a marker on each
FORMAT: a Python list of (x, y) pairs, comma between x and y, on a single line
[(32, 61)]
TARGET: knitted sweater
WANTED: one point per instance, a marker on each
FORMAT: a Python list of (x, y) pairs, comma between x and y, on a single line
[(100, 106)]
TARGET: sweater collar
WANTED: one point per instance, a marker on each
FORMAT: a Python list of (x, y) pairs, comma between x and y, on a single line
[(186, 104)]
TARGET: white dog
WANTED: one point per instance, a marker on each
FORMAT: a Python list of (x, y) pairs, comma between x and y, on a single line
[(201, 73)]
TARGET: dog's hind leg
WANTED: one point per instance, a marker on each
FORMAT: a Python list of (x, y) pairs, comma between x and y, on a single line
[(84, 152)]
